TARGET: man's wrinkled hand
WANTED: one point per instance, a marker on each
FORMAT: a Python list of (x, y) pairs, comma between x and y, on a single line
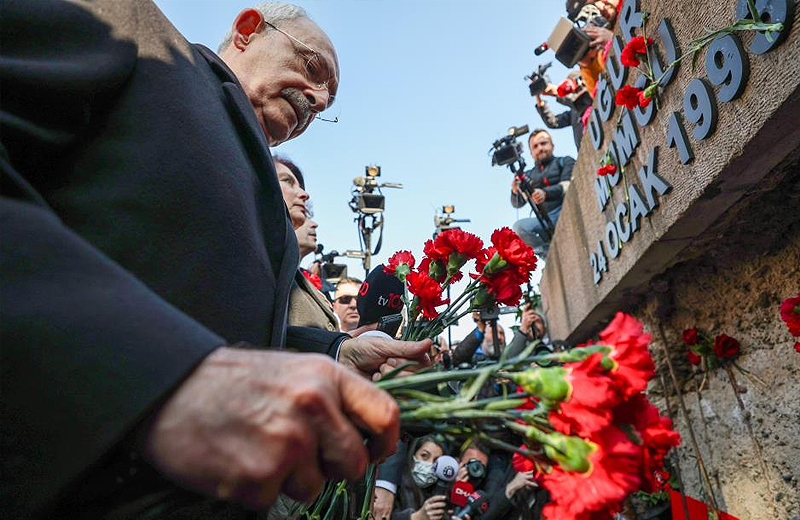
[(370, 355), (249, 424), (538, 196)]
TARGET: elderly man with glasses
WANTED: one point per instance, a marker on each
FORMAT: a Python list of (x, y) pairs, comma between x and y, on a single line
[(147, 260)]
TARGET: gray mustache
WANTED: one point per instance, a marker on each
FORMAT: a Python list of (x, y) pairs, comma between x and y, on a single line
[(299, 102)]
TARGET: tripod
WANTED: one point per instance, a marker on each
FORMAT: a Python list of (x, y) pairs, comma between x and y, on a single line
[(518, 168)]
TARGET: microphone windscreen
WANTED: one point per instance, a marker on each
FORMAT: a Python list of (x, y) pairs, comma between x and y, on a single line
[(380, 295), (446, 468), (459, 494)]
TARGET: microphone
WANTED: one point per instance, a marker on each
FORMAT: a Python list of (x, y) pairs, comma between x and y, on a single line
[(446, 468), (460, 493), (477, 504), (380, 295), (540, 49), (320, 248)]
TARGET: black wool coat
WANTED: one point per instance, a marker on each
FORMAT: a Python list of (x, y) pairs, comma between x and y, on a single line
[(142, 227)]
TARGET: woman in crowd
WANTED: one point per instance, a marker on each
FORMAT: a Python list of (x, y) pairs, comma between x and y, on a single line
[(414, 500)]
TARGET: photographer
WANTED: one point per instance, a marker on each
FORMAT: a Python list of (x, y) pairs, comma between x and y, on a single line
[(594, 62), (573, 94), (549, 179)]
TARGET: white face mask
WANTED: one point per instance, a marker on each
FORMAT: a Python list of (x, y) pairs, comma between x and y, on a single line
[(423, 473)]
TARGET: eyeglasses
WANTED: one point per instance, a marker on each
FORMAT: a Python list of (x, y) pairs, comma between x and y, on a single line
[(345, 300), (316, 69)]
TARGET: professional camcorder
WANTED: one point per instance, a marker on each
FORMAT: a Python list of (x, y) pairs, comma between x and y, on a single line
[(507, 150), (568, 40), (367, 196), (539, 79)]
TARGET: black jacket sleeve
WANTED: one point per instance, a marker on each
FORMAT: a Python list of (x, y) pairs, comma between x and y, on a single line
[(316, 341), (551, 120), (391, 470), (466, 349), (87, 349), (555, 192)]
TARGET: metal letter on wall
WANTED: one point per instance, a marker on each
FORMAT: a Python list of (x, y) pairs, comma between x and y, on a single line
[(727, 65), (772, 11), (644, 116), (605, 99), (651, 180), (602, 191), (700, 108), (616, 71), (630, 18), (595, 130), (626, 138), (672, 52), (676, 137)]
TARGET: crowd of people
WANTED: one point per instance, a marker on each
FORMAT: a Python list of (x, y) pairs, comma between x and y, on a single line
[(151, 288)]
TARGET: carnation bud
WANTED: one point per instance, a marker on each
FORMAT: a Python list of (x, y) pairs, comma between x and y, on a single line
[(455, 262), (545, 383), (401, 271), (571, 453), (650, 91), (436, 270), (495, 264)]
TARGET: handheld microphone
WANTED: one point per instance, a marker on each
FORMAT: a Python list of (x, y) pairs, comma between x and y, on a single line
[(460, 493), (320, 248), (446, 468), (477, 504), (540, 49)]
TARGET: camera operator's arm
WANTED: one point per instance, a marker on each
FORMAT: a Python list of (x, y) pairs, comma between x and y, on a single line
[(466, 349), (556, 192), (516, 199), (550, 119)]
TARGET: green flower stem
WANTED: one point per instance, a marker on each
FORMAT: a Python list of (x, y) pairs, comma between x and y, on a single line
[(497, 443), (369, 479)]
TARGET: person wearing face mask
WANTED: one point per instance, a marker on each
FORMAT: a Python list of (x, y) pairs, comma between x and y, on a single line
[(413, 500)]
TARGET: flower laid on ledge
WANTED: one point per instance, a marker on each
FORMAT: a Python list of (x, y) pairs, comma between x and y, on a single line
[(632, 97), (635, 48), (700, 347), (790, 314), (607, 169)]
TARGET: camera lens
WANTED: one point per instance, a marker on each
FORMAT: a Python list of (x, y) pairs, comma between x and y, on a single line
[(475, 468)]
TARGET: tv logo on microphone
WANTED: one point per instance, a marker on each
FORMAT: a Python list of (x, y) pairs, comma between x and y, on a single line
[(393, 301)]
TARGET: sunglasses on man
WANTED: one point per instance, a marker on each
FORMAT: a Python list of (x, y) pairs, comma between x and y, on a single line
[(345, 300)]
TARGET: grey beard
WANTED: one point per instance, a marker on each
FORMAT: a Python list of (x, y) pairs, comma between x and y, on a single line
[(300, 103)]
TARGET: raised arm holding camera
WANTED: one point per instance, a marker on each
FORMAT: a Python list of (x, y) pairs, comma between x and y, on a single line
[(546, 183)]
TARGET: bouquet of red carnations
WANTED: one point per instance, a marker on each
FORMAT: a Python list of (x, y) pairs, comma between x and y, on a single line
[(583, 422)]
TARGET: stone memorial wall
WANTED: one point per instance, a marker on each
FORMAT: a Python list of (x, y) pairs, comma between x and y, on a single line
[(700, 226)]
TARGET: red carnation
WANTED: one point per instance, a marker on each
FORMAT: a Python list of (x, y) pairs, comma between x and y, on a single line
[(690, 336), (398, 259), (520, 463), (725, 346), (693, 358), (656, 434), (790, 314), (633, 364), (504, 286), (315, 280), (630, 52), (608, 169), (628, 96), (512, 249), (464, 243), (438, 249), (427, 292), (483, 258), (797, 346), (592, 397), (614, 473), (432, 268), (643, 99)]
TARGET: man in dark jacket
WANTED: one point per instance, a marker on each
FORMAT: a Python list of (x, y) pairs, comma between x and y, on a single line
[(573, 95), (147, 258), (548, 181)]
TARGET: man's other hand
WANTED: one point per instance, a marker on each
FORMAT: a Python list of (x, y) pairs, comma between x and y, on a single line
[(515, 186), (249, 424), (538, 196), (372, 356), (529, 316)]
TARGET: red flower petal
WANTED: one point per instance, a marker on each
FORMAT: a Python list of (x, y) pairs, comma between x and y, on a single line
[(629, 351), (790, 314), (628, 96), (725, 346)]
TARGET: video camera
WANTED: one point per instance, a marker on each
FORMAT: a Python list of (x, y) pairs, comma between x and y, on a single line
[(539, 79), (367, 196), (444, 220), (569, 40), (329, 270), (507, 150)]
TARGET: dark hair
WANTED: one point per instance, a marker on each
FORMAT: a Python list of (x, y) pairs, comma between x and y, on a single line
[(477, 445), (537, 131), (292, 168)]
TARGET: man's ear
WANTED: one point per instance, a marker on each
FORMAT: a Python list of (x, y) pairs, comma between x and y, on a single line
[(247, 23)]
